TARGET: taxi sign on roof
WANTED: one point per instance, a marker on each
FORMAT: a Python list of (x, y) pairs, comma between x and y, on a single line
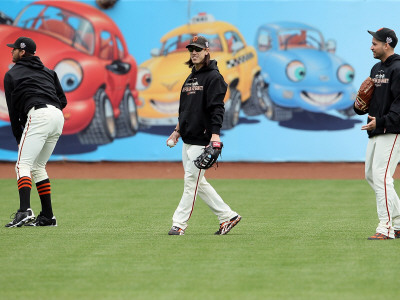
[(202, 18)]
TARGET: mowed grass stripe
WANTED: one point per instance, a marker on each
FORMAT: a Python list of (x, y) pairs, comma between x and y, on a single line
[(299, 239)]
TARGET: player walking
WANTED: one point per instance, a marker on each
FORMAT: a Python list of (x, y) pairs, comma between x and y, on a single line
[(383, 128), (35, 99), (201, 112)]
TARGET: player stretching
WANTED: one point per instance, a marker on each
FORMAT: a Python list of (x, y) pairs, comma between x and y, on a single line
[(35, 100), (383, 128), (201, 112)]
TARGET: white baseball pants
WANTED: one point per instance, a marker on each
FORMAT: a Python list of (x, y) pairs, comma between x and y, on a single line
[(383, 155), (42, 130), (195, 184)]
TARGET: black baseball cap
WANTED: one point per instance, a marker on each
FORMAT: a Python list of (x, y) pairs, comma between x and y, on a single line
[(385, 35), (198, 41), (24, 43)]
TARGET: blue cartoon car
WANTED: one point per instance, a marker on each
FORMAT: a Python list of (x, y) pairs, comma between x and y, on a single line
[(302, 72)]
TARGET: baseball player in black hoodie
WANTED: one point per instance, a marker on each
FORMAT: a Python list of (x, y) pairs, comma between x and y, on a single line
[(383, 128), (201, 112), (35, 99)]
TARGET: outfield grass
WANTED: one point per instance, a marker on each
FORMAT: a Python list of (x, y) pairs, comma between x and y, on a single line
[(298, 239)]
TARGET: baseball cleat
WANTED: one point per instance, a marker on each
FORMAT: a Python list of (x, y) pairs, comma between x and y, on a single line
[(379, 236), (175, 230), (20, 218), (225, 227), (41, 220), (397, 234)]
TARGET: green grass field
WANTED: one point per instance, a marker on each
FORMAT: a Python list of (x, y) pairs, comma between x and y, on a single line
[(298, 239)]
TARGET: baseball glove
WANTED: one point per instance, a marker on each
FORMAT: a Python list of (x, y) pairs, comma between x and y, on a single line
[(209, 156), (364, 94)]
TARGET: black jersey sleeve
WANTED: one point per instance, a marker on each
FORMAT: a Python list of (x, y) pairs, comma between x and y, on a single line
[(392, 118), (12, 112), (60, 91), (215, 103)]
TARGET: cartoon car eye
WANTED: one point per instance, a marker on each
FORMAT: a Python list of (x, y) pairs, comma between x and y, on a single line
[(296, 71), (345, 73), (143, 79), (69, 73)]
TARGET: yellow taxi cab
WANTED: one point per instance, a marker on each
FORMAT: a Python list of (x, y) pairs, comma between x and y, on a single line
[(161, 77)]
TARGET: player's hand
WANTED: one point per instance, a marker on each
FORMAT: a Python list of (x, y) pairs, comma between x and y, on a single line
[(371, 125), (215, 138), (174, 136)]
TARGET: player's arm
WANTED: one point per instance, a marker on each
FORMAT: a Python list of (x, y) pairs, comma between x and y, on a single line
[(175, 135), (216, 92), (14, 117), (60, 91), (392, 118)]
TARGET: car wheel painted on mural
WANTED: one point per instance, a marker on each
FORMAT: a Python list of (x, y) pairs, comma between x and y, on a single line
[(302, 71), (257, 103), (274, 112), (161, 77), (127, 122), (90, 56), (232, 109), (102, 129)]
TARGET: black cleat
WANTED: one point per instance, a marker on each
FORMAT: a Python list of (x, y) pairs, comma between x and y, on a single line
[(20, 218), (225, 227), (41, 220)]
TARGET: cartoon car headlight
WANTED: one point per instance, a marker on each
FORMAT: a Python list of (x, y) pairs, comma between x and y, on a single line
[(345, 73), (69, 73), (296, 71), (143, 79)]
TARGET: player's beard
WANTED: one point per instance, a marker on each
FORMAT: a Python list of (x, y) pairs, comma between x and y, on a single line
[(379, 54), (15, 58)]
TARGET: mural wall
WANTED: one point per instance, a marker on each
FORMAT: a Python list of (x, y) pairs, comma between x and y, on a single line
[(293, 68)]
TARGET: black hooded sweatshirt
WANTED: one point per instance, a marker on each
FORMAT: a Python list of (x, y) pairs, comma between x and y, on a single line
[(29, 83), (385, 102), (201, 106)]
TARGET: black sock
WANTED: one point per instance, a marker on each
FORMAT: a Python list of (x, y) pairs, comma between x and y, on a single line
[(44, 190), (24, 189)]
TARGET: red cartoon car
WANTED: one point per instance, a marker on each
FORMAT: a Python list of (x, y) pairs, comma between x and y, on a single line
[(87, 50)]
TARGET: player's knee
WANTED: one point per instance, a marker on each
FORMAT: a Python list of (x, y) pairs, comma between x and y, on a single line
[(22, 170), (368, 177), (39, 174), (378, 178)]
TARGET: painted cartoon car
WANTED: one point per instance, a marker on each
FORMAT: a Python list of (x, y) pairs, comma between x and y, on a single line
[(302, 72), (161, 77), (88, 52)]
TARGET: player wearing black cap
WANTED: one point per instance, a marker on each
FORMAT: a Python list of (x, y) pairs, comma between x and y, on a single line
[(383, 128), (201, 112), (35, 99)]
